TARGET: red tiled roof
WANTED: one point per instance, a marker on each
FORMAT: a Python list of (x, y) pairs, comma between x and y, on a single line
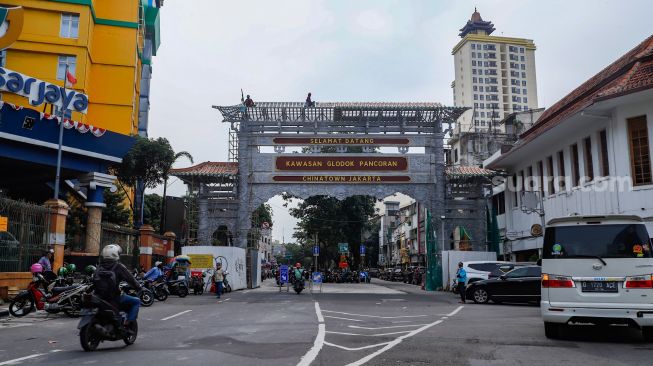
[(632, 72), (207, 168), (468, 171)]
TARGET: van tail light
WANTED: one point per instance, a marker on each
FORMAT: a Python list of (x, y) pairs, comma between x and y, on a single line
[(644, 281), (555, 281)]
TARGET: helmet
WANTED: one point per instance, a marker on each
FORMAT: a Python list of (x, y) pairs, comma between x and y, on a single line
[(63, 271), (36, 268), (111, 252), (90, 270), (298, 265), (157, 263), (71, 268)]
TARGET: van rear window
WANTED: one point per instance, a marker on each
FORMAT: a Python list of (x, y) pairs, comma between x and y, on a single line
[(605, 241)]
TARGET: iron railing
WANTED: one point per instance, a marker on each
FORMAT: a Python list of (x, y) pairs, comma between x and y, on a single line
[(26, 237)]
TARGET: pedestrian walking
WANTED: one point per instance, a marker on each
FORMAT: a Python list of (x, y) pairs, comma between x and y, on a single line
[(218, 278), (461, 277)]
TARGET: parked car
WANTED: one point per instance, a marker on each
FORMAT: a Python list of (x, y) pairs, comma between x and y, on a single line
[(374, 272), (7, 240), (519, 285), (597, 269), (505, 268), (480, 270)]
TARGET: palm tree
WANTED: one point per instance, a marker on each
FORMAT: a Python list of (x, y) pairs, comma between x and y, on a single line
[(178, 155)]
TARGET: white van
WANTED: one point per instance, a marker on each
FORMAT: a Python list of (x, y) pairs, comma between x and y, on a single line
[(597, 270)]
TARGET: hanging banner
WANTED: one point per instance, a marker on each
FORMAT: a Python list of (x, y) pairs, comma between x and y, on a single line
[(201, 261)]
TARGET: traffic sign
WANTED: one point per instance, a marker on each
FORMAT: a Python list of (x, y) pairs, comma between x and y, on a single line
[(343, 247), (316, 250), (283, 274), (362, 249), (316, 277)]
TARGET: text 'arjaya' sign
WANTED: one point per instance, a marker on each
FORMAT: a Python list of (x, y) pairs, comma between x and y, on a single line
[(341, 163), (39, 91), (326, 140)]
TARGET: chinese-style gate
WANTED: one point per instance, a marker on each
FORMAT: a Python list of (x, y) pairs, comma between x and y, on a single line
[(375, 149)]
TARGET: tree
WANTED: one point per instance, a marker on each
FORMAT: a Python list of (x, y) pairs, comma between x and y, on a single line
[(115, 211), (147, 162), (151, 209), (178, 155), (334, 222), (263, 213)]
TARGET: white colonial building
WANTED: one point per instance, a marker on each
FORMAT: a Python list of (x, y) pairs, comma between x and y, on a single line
[(588, 154)]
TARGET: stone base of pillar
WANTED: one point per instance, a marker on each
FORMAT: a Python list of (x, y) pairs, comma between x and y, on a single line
[(93, 230)]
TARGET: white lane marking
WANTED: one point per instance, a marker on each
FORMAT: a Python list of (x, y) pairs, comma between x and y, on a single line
[(390, 327), (456, 311), (355, 349), (370, 335), (9, 362), (312, 353), (401, 321), (227, 299), (175, 315), (337, 317), (375, 316), (318, 311), (399, 340), (392, 344)]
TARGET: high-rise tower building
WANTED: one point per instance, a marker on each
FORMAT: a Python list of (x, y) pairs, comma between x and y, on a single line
[(494, 75)]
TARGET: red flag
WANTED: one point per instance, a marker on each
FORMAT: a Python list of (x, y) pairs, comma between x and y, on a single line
[(71, 79)]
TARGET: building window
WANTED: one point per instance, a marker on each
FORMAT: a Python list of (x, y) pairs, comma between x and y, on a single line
[(529, 183), (480, 88), (523, 75), (483, 114), (549, 176), (474, 79), (473, 71), (515, 191), (482, 104), (473, 54), (540, 171), (523, 66), (605, 164), (522, 59), (71, 61), (475, 96), (524, 91), (589, 167), (640, 159), (575, 173), (473, 62), (561, 170), (475, 105), (475, 88), (473, 46), (525, 99), (523, 83), (521, 49), (499, 203), (3, 58), (69, 26)]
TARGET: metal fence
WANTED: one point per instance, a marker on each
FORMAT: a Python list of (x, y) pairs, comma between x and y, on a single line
[(26, 237), (127, 238)]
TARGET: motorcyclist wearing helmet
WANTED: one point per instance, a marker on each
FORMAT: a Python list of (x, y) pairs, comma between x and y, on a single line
[(155, 273), (110, 261), (299, 272)]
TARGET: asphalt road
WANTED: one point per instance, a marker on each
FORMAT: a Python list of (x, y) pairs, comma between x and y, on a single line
[(382, 324)]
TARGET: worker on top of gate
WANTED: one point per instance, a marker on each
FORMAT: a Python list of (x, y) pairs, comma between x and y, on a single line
[(249, 102), (309, 101)]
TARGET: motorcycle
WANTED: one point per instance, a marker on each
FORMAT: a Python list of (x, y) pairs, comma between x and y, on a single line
[(158, 288), (146, 296), (298, 286), (197, 283), (53, 300), (177, 287), (101, 321), (454, 286), (226, 287)]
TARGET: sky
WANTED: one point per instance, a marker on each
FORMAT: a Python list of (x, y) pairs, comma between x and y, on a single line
[(362, 50)]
